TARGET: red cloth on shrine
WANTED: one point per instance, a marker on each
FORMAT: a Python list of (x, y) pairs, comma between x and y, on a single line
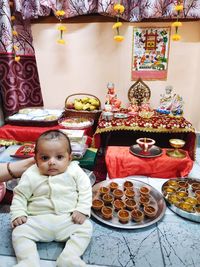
[(121, 163), (28, 134)]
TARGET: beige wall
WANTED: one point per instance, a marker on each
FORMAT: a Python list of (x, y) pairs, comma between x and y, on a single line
[(91, 59)]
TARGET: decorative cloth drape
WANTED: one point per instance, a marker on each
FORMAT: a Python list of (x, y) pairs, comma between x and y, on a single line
[(19, 81), (135, 10)]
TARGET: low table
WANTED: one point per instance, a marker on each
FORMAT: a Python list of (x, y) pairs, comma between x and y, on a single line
[(121, 163)]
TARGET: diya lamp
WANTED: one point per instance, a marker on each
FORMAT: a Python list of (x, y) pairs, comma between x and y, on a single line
[(137, 215), (176, 152), (107, 199), (123, 216), (150, 211), (97, 204), (118, 204), (107, 212), (130, 204)]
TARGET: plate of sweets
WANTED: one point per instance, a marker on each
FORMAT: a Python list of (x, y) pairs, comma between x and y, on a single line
[(127, 203), (25, 151), (183, 197), (76, 123)]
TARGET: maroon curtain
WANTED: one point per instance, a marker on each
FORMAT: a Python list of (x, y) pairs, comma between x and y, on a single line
[(135, 10), (19, 81)]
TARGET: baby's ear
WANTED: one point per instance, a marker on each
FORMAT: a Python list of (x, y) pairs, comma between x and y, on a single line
[(70, 157)]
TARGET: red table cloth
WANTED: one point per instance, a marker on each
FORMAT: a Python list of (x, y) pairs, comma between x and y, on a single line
[(121, 163), (11, 134)]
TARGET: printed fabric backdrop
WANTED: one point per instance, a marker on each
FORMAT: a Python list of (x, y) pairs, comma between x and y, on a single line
[(150, 53)]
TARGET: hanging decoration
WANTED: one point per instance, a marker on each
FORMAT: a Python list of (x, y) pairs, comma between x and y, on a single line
[(178, 8), (62, 28), (14, 35), (150, 53), (120, 10)]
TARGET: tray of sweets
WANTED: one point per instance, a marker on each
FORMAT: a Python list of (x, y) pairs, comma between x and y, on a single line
[(183, 197), (127, 203)]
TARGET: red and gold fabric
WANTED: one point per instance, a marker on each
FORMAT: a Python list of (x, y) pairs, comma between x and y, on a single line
[(158, 123)]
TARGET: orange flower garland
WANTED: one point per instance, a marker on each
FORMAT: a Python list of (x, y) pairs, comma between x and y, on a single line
[(60, 15), (178, 8), (14, 35), (119, 9)]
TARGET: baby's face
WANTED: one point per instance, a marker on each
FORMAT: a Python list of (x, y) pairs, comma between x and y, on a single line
[(52, 157)]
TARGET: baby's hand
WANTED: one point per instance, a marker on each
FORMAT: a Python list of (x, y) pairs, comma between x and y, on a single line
[(78, 217), (18, 221)]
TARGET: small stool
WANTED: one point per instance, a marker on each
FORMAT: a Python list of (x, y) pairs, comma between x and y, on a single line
[(121, 163)]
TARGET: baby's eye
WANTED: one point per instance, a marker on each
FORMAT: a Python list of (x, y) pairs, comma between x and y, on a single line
[(60, 157), (44, 158)]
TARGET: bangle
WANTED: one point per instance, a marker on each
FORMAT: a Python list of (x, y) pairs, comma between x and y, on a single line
[(10, 172)]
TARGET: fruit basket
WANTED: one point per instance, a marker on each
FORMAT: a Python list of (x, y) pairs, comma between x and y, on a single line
[(83, 105)]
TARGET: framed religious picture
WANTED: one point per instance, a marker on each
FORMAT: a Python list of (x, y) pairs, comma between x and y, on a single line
[(150, 53)]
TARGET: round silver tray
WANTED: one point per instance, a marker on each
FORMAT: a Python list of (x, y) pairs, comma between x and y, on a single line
[(188, 215), (156, 200), (153, 152)]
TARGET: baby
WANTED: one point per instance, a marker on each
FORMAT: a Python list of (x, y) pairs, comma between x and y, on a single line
[(52, 202)]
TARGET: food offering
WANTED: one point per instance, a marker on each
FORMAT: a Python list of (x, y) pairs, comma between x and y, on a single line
[(182, 197), (127, 203), (76, 123)]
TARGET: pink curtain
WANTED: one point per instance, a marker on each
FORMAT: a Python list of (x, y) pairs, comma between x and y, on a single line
[(19, 81)]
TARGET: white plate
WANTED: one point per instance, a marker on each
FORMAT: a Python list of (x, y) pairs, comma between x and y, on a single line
[(121, 115)]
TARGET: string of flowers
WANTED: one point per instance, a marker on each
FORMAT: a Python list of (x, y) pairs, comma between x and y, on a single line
[(14, 35), (62, 28), (178, 8), (120, 10)]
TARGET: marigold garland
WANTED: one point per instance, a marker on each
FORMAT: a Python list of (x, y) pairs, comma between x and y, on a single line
[(178, 8), (119, 9), (60, 15), (14, 34)]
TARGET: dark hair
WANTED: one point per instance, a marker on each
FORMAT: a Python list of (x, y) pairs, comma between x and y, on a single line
[(53, 134)]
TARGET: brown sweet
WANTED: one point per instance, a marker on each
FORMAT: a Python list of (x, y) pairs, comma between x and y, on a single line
[(97, 204), (150, 211), (129, 193), (104, 190), (118, 193), (144, 190), (118, 204), (107, 212), (137, 215), (113, 186), (130, 204), (128, 185), (123, 216), (107, 198)]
